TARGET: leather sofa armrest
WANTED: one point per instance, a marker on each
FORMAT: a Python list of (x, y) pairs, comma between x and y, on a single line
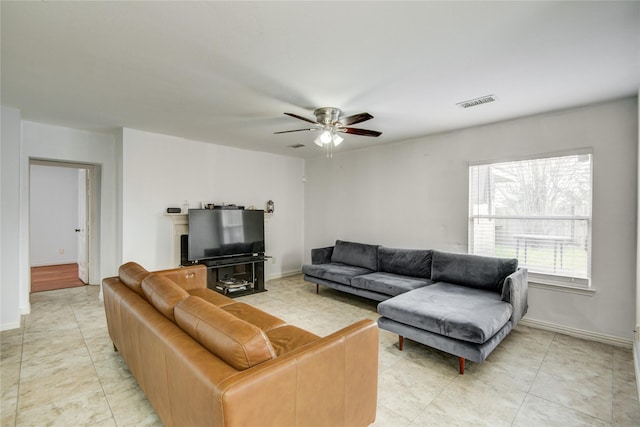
[(330, 382), (321, 255), (515, 291), (190, 277)]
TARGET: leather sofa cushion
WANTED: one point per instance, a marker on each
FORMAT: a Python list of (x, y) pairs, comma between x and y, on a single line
[(288, 337), (388, 283), (211, 296), (358, 254), (238, 343), (454, 311), (255, 316), (406, 262), (475, 271), (132, 275), (163, 294)]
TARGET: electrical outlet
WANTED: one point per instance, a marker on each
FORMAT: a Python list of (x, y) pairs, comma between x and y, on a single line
[(61, 251)]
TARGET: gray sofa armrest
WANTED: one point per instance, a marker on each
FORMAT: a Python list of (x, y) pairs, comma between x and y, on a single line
[(514, 291), (321, 255)]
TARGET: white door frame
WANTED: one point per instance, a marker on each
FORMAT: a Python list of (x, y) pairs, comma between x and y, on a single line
[(91, 226)]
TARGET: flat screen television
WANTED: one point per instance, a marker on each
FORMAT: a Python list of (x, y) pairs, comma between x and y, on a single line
[(219, 233)]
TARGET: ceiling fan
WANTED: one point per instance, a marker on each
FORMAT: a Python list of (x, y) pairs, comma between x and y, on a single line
[(328, 120)]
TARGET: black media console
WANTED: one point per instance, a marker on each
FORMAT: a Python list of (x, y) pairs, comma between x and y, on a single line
[(234, 275)]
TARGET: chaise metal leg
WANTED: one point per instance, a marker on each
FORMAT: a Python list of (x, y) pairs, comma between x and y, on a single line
[(400, 342), (317, 289), (461, 363)]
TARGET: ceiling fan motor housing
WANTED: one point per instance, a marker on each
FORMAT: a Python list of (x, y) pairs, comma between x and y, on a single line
[(327, 115)]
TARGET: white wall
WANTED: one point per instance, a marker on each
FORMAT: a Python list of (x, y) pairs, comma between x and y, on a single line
[(10, 305), (636, 344), (415, 195), (54, 215), (161, 171), (48, 142)]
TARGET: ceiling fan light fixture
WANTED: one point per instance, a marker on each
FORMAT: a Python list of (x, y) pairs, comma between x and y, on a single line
[(328, 122), (325, 136)]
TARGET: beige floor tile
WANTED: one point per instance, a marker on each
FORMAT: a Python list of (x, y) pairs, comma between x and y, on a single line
[(386, 417), (407, 388), (584, 393), (466, 401), (536, 412), (130, 406), (534, 378), (67, 382), (60, 354), (87, 409), (626, 410)]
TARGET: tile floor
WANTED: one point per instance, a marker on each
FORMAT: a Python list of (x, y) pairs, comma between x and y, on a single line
[(60, 369)]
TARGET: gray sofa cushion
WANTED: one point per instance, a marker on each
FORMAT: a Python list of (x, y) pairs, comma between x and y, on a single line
[(321, 255), (359, 254), (406, 262), (470, 351), (389, 283), (472, 270), (335, 272), (454, 311)]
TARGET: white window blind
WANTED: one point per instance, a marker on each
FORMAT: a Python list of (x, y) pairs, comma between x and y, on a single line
[(536, 210)]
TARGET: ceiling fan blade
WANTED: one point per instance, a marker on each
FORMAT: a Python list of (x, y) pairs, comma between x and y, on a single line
[(356, 118), (301, 118), (357, 131), (295, 130)]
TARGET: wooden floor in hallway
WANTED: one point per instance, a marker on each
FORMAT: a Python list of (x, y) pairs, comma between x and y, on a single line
[(51, 277)]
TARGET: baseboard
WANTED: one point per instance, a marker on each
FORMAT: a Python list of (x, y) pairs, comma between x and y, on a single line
[(25, 309), (284, 274), (53, 263), (578, 333), (636, 358), (9, 325)]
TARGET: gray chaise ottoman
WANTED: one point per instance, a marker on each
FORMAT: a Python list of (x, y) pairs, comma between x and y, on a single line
[(475, 302)]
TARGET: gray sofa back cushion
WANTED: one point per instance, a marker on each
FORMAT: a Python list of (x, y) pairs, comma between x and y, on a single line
[(358, 254), (406, 262), (474, 271)]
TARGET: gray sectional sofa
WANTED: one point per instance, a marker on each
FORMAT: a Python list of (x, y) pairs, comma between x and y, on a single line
[(462, 304)]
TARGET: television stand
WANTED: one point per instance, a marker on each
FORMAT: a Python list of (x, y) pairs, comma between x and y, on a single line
[(236, 276)]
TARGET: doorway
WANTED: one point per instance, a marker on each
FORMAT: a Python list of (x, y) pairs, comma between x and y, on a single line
[(60, 223)]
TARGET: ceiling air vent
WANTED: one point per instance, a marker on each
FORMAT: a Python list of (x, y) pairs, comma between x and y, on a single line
[(296, 146), (477, 101)]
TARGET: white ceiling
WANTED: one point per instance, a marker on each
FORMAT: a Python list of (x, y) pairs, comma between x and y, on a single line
[(225, 72)]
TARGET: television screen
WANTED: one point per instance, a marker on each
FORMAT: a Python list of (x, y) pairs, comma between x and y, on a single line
[(216, 233)]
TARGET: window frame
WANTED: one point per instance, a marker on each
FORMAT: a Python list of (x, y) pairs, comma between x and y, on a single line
[(542, 280)]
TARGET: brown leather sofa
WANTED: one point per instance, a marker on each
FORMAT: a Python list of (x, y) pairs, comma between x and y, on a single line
[(204, 359)]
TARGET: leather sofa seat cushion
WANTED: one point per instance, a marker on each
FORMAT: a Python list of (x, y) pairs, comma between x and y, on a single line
[(406, 262), (389, 283), (163, 294), (132, 275), (335, 272), (288, 337), (255, 316), (480, 272), (459, 312), (211, 296), (238, 343), (358, 254)]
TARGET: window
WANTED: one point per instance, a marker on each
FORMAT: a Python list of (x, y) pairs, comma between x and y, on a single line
[(536, 210)]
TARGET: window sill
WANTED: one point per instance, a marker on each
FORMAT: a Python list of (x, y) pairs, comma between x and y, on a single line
[(558, 287)]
